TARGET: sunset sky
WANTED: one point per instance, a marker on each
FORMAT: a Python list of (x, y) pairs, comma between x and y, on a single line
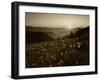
[(56, 20)]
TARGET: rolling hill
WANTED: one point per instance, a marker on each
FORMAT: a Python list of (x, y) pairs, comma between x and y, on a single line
[(52, 32), (34, 37)]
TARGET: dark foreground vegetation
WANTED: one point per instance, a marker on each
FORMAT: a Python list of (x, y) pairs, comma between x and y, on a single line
[(70, 50)]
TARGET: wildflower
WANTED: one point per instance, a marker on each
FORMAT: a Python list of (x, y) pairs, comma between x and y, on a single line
[(79, 44), (70, 45)]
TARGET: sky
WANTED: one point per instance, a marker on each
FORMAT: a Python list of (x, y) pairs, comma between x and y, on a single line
[(56, 20)]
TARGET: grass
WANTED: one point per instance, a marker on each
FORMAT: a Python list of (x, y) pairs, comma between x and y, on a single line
[(57, 53)]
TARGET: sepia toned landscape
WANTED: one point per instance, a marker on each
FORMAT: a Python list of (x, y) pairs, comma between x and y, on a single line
[(54, 40)]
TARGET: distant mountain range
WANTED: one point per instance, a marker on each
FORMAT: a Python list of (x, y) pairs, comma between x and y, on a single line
[(40, 34), (52, 32)]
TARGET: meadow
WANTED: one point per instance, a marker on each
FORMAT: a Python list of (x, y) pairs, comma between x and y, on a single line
[(71, 50)]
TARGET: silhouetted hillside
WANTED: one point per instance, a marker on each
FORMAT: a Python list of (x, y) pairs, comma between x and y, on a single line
[(40, 34), (81, 33), (33, 37)]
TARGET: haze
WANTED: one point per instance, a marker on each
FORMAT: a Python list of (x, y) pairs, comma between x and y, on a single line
[(56, 20)]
